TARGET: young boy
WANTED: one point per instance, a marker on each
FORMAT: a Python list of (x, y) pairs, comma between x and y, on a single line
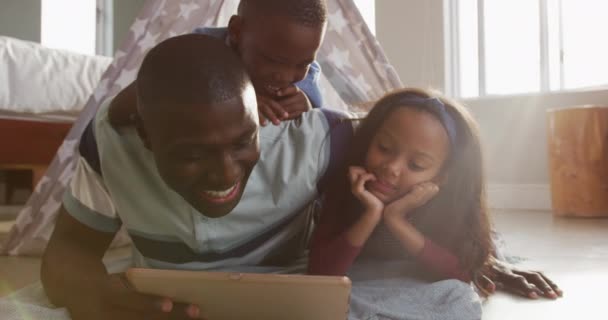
[(186, 183), (277, 40)]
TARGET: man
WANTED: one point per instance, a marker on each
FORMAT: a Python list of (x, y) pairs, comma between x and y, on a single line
[(186, 183)]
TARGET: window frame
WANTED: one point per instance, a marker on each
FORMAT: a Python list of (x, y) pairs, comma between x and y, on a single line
[(452, 31)]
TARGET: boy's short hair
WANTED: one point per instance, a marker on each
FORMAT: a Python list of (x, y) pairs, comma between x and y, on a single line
[(190, 69), (311, 13)]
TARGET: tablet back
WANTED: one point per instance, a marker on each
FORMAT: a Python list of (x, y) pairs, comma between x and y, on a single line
[(230, 296)]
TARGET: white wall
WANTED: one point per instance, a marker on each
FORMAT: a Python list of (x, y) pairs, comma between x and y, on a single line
[(513, 128), (411, 33), (20, 19)]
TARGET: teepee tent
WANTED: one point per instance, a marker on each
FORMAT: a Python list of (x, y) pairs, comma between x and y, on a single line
[(355, 71)]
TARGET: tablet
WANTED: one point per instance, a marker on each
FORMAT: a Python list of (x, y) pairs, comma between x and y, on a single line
[(233, 296)]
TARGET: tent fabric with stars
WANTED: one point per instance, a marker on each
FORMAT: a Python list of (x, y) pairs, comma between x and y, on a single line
[(355, 71)]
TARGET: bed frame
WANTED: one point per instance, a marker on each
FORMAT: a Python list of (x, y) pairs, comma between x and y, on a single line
[(28, 146)]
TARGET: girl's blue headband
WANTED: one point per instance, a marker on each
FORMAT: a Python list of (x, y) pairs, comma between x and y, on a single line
[(436, 105)]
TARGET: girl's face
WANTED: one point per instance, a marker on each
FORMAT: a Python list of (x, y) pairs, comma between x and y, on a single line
[(409, 148)]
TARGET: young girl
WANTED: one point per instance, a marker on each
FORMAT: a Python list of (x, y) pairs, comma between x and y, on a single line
[(411, 188)]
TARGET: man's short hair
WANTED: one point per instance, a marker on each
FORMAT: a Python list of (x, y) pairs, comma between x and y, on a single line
[(311, 13), (187, 70)]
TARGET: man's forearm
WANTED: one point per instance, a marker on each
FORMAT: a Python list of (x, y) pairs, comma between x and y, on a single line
[(69, 274)]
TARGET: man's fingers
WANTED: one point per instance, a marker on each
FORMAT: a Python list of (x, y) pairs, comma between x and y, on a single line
[(183, 311), (121, 294), (154, 306)]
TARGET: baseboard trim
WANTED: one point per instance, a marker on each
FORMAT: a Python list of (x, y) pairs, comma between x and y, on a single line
[(519, 196)]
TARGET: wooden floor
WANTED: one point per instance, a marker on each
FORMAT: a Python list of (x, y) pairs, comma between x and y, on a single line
[(574, 253)]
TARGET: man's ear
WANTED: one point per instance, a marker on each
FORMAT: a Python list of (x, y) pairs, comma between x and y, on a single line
[(235, 27), (141, 130)]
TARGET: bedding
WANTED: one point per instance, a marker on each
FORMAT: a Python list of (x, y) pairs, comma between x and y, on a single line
[(36, 80)]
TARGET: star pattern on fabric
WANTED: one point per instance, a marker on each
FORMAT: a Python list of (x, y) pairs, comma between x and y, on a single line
[(148, 41), (64, 178), (383, 68), (138, 27), (100, 92), (340, 58), (362, 83), (67, 149), (119, 54), (186, 9), (41, 184), (126, 77), (51, 205), (337, 21)]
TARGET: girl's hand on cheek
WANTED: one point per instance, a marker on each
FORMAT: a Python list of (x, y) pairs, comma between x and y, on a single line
[(358, 177), (417, 197)]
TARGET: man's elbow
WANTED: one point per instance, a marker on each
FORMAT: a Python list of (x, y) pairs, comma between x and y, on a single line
[(50, 278)]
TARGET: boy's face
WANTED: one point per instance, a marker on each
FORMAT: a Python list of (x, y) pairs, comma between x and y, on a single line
[(206, 153), (276, 51)]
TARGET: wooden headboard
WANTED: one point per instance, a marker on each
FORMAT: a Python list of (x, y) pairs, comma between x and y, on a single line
[(30, 142)]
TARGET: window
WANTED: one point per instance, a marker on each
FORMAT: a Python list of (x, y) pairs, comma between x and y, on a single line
[(367, 8), (524, 46), (77, 25)]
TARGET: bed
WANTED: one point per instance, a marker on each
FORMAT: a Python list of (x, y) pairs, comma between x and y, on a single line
[(42, 90)]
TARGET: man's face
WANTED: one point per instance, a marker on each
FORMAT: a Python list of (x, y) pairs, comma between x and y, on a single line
[(276, 51), (206, 153)]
